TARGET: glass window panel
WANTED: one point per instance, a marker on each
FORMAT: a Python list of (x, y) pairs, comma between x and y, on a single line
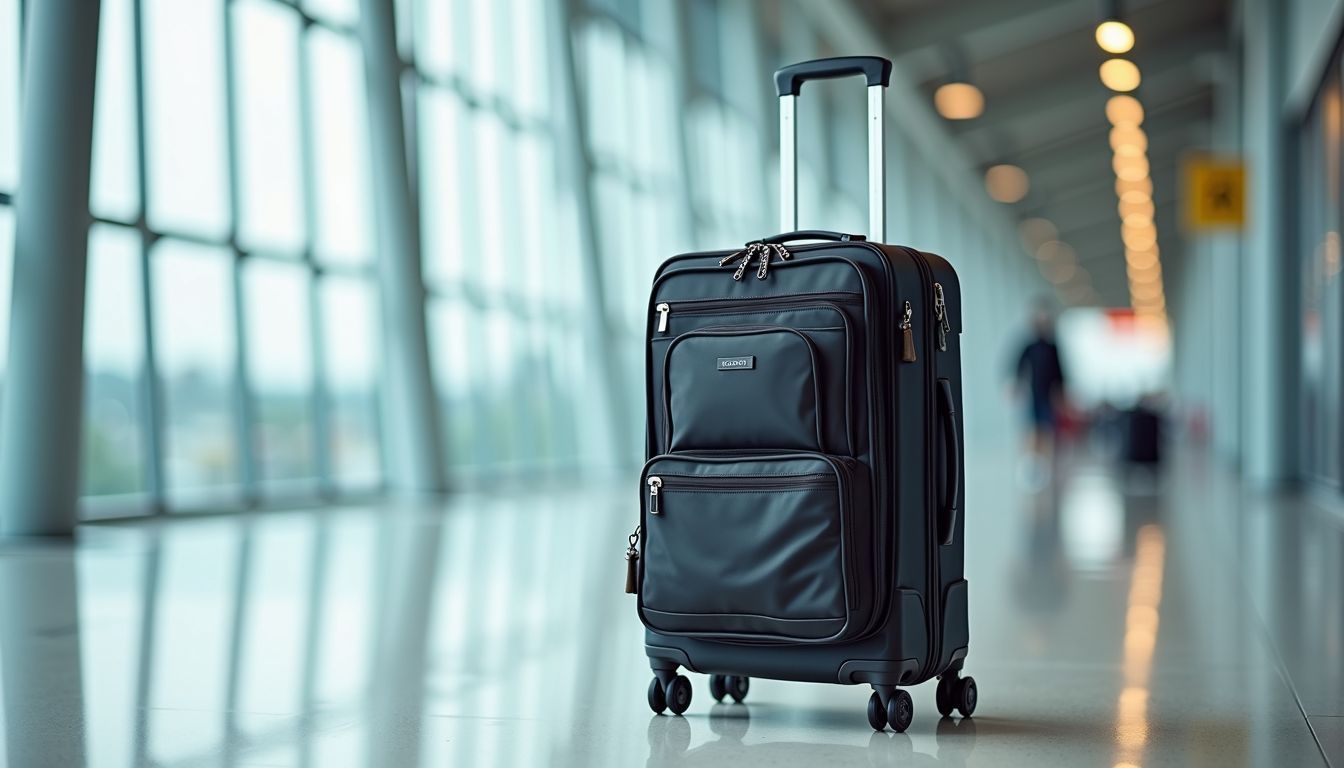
[(434, 25), (533, 412), (530, 85), (280, 368), (9, 94), (196, 352), (340, 148), (446, 167), (454, 326), (350, 349), (491, 137), (483, 72), (604, 60), (184, 91), (407, 15), (504, 387), (562, 352), (266, 38), (114, 190), (113, 364), (536, 232)]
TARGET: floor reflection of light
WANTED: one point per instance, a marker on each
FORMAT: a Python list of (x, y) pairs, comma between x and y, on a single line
[(1141, 624), (1093, 521)]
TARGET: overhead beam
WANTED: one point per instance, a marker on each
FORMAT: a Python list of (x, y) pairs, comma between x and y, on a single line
[(943, 23)]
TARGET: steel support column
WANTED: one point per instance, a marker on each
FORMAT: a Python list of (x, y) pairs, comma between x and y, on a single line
[(44, 381), (412, 438)]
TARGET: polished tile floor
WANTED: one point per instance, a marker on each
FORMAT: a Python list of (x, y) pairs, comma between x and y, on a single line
[(1116, 620)]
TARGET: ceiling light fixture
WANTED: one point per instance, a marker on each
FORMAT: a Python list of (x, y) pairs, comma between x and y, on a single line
[(1130, 167), (1120, 75), (1135, 206), (1128, 136), (1143, 186), (1006, 183), (1141, 260), (959, 101), (1115, 36), (1037, 231), (1123, 109)]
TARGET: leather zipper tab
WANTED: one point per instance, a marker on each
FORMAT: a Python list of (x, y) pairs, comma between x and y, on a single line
[(632, 563), (907, 336)]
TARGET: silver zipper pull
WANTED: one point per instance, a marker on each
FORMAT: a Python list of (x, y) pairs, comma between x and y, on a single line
[(663, 309), (730, 258), (742, 268), (940, 314), (765, 263), (654, 484)]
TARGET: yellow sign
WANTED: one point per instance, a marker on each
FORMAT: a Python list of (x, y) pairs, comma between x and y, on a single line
[(1215, 193)]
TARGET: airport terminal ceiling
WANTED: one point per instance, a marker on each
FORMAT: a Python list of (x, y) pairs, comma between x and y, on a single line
[(1036, 64)]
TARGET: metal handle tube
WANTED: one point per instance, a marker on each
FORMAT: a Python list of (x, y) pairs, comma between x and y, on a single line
[(877, 163), (788, 164)]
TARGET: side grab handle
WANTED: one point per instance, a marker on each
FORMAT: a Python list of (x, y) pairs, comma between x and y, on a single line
[(951, 501)]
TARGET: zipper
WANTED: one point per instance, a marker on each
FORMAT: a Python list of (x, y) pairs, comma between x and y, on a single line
[(735, 306), (940, 314), (707, 483), (654, 484), (932, 565)]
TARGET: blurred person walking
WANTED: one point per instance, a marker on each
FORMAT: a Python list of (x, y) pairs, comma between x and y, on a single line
[(1039, 379)]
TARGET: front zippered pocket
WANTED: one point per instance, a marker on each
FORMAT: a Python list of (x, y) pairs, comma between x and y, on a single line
[(744, 388), (753, 548)]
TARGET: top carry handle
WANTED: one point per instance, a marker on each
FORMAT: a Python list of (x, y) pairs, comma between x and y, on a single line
[(789, 83)]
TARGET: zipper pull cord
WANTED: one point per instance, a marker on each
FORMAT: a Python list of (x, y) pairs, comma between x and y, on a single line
[(730, 258), (767, 251), (746, 260)]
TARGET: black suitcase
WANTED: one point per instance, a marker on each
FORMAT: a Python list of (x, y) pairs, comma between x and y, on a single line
[(800, 514)]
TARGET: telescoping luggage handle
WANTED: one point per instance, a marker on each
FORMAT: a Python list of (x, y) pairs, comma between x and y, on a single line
[(789, 83)]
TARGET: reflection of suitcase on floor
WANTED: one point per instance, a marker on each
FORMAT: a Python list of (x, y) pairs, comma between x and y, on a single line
[(1143, 438), (800, 514)]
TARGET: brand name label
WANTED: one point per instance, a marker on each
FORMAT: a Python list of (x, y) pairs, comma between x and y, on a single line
[(737, 363)]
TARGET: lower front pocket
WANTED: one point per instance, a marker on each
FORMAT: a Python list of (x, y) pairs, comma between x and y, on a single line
[(748, 549)]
